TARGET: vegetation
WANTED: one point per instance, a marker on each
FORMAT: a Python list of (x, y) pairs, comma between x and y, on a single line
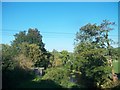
[(60, 75), (93, 64)]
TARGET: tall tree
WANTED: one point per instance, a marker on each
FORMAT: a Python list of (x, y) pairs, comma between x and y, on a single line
[(7, 57), (57, 61), (32, 37), (31, 45), (105, 29), (92, 44), (64, 56), (19, 38)]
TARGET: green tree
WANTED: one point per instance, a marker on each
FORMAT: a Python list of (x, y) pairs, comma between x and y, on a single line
[(30, 44), (60, 75), (23, 62), (34, 54), (32, 37), (31, 51), (57, 61), (7, 57), (64, 56), (106, 27), (19, 38), (92, 45)]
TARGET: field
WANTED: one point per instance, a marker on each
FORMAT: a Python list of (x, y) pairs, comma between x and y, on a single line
[(116, 66)]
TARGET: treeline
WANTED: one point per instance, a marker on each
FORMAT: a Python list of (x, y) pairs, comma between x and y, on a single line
[(89, 66)]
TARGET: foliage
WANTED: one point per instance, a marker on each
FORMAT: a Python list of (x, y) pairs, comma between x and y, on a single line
[(64, 56), (94, 66), (7, 56), (25, 52), (93, 45), (30, 44), (59, 75), (56, 60), (23, 62), (89, 62), (115, 53), (32, 37)]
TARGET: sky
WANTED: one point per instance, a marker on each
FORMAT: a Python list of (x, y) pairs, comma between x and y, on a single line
[(59, 0), (57, 22)]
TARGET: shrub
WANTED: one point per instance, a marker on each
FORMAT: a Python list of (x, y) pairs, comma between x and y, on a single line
[(60, 75)]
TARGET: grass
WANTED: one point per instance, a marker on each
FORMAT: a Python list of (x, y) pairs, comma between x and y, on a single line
[(116, 66), (39, 83)]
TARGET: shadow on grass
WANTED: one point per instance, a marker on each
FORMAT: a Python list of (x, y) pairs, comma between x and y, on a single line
[(12, 78), (40, 84), (19, 78)]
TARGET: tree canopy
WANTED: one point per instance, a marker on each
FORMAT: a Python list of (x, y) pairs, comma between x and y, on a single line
[(92, 64), (93, 44)]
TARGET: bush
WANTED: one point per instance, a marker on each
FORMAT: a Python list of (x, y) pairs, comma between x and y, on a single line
[(60, 75)]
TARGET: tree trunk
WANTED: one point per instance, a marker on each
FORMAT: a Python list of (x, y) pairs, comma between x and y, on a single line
[(114, 76)]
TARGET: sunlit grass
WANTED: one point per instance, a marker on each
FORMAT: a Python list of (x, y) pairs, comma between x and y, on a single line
[(116, 65)]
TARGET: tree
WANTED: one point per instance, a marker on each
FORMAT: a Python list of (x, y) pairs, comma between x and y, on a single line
[(57, 61), (7, 57), (32, 37), (31, 51), (23, 62), (30, 44), (105, 28), (92, 45), (64, 56), (59, 75), (34, 54), (19, 38)]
